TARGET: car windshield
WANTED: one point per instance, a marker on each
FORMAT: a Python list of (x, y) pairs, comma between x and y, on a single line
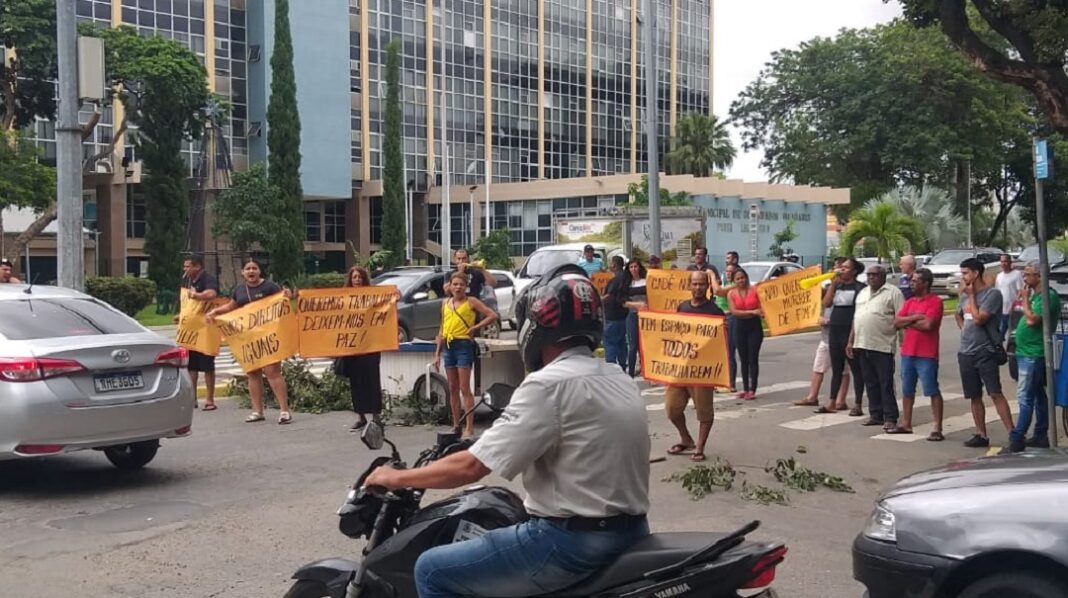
[(756, 272), (951, 258), (29, 319), (542, 262), (1030, 254), (404, 281)]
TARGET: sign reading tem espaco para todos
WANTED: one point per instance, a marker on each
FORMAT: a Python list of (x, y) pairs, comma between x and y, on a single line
[(261, 333), (787, 306), (683, 349), (347, 321)]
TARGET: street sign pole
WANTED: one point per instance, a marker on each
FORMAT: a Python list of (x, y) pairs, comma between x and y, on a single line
[(1043, 172)]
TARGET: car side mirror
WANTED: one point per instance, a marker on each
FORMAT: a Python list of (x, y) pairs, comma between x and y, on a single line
[(421, 296), (374, 436)]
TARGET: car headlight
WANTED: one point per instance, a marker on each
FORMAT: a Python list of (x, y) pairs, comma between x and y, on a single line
[(881, 525)]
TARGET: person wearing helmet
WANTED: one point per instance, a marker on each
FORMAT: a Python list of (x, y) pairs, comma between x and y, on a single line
[(577, 430)]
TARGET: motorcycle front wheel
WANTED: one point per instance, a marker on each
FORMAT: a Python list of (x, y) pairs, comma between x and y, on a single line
[(305, 588)]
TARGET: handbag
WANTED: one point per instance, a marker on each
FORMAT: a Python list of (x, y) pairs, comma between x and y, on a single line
[(996, 350), (478, 351)]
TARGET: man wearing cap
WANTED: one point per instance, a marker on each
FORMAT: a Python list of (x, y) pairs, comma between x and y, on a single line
[(6, 272), (590, 262)]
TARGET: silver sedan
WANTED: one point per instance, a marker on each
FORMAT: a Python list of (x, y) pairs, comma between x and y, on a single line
[(77, 374)]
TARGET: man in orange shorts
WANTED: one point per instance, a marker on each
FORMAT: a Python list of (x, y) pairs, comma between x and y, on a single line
[(676, 397)]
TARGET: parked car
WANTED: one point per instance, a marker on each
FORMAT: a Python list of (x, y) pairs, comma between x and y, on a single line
[(504, 296), (945, 266), (1030, 254), (419, 310), (987, 528), (545, 259), (76, 374), (762, 271), (892, 275)]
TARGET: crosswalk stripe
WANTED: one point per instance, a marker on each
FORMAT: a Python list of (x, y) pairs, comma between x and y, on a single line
[(826, 420), (949, 425)]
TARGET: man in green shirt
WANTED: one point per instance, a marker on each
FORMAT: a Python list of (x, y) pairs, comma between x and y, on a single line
[(1030, 357)]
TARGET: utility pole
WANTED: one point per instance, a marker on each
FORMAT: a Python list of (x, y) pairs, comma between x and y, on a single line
[(651, 114), (446, 203), (1044, 172), (70, 243)]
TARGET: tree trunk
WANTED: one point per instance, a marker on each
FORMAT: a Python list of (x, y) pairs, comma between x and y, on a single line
[(15, 251), (1002, 218)]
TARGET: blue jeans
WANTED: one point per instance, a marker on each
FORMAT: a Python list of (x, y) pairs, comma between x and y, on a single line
[(536, 557), (1003, 326), (732, 349), (632, 342), (921, 369), (1031, 392), (615, 342)]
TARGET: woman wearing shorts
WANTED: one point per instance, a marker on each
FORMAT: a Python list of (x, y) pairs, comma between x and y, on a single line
[(253, 288), (456, 345)]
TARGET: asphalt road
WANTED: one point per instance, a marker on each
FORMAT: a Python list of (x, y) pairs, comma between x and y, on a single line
[(236, 508)]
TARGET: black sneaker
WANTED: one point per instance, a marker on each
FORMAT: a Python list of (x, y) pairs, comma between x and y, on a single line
[(1038, 442), (977, 441), (358, 426), (1014, 446)]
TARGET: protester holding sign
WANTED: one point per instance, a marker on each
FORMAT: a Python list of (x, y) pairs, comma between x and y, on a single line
[(363, 371), (721, 291), (749, 331), (456, 345), (676, 396), (201, 287), (254, 288), (615, 314), (637, 299)]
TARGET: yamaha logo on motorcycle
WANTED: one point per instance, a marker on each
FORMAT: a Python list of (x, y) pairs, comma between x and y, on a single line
[(399, 529)]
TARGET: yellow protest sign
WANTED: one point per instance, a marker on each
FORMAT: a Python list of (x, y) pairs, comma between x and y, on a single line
[(347, 321), (683, 349), (262, 332), (789, 307), (666, 289), (194, 332), (601, 280)]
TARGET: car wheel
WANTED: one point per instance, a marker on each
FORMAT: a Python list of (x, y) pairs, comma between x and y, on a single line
[(512, 325), (132, 456), (1017, 585), (493, 331), (403, 335)]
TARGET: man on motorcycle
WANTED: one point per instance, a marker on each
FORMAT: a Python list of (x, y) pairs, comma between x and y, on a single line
[(577, 430)]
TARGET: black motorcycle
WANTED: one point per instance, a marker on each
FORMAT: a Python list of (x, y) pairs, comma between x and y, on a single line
[(398, 530)]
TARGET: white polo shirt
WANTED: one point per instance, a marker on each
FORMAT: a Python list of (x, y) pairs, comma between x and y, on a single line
[(873, 323), (578, 431)]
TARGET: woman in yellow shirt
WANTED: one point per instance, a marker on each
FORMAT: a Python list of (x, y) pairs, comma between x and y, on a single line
[(456, 344)]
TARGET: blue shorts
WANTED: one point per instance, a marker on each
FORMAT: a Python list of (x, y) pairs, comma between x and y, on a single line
[(459, 353), (924, 369)]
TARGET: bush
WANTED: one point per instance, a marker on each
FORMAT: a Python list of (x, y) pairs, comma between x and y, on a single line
[(127, 294), (326, 280)]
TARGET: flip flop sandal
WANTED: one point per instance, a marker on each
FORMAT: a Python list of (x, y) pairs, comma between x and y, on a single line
[(210, 407), (697, 457), (254, 417), (857, 412), (823, 410), (935, 437), (284, 418), (804, 403), (679, 449), (899, 430)]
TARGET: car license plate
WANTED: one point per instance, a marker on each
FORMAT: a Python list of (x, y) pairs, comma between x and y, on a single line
[(118, 381)]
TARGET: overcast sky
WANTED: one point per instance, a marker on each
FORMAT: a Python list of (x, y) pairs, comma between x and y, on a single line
[(748, 31)]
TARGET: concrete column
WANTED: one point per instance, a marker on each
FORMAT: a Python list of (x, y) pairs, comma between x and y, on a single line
[(111, 215)]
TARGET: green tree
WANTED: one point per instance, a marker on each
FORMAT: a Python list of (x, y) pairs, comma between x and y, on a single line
[(782, 239), (26, 88), (875, 108), (640, 193), (247, 213), (393, 183), (701, 146), (883, 224), (1021, 42), (933, 209), (496, 249), (163, 88), (283, 143)]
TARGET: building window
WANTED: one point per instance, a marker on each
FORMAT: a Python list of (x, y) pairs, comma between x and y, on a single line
[(135, 216), (335, 222), (313, 224), (376, 220)]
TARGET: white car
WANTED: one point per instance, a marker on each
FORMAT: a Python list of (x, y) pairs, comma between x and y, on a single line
[(945, 266), (505, 292), (546, 259), (762, 271)]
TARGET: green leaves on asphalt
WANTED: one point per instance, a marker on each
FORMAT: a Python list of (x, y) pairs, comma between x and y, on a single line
[(802, 479), (702, 480), (763, 494)]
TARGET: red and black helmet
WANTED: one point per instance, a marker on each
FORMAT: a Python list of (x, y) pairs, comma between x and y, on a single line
[(559, 306)]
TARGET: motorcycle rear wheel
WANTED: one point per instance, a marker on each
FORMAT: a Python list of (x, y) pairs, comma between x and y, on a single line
[(306, 588)]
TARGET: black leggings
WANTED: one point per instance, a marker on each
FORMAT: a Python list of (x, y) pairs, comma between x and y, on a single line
[(748, 337), (837, 339)]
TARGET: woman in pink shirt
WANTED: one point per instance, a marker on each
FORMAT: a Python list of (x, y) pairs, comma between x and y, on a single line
[(744, 305)]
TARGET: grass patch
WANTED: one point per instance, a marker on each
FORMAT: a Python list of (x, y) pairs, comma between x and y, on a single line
[(149, 317), (951, 304)]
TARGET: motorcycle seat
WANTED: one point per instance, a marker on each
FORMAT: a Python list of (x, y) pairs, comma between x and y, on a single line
[(648, 554)]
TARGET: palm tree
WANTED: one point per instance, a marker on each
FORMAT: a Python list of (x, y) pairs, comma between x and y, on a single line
[(701, 146), (885, 225), (933, 208)]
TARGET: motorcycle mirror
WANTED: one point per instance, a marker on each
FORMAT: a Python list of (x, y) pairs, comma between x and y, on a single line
[(374, 436), (498, 396)]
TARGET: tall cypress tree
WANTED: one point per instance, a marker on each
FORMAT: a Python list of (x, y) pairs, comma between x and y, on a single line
[(283, 144), (393, 184)]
